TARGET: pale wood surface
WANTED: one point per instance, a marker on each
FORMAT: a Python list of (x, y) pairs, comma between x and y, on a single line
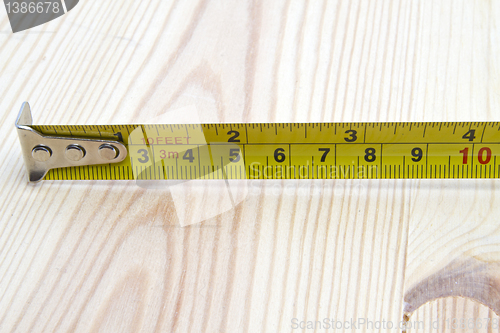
[(113, 257)]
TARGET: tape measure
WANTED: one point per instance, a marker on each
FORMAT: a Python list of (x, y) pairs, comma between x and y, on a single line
[(373, 150)]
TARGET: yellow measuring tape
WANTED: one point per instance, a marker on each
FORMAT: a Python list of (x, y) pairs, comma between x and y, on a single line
[(280, 150)]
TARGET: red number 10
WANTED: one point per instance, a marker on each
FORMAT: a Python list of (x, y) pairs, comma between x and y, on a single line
[(480, 155)]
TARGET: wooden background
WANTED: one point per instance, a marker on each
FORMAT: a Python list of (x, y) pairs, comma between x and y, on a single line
[(114, 257)]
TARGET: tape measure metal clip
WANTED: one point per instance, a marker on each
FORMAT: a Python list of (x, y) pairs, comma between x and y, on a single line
[(44, 152)]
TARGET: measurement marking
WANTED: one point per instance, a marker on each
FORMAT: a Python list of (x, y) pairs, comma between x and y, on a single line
[(494, 164), (267, 165), (449, 166), (357, 168), (472, 160), (176, 169), (199, 157), (484, 129), (426, 159), (404, 166), (381, 155), (312, 167)]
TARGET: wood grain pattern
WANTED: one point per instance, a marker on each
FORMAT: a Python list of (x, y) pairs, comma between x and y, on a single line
[(113, 257)]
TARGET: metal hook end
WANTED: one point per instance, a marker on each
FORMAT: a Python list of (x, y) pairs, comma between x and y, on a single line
[(44, 152)]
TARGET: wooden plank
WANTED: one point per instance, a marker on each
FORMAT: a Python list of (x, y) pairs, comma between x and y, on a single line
[(112, 256)]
